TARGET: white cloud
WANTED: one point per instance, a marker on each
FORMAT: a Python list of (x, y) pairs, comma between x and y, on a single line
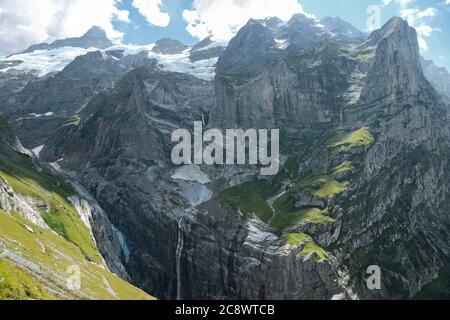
[(25, 22), (415, 16), (426, 30), (223, 18), (151, 10), (402, 3), (123, 16), (445, 5), (423, 43), (418, 19)]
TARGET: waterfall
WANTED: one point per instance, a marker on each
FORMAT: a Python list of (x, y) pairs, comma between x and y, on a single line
[(203, 119), (179, 252)]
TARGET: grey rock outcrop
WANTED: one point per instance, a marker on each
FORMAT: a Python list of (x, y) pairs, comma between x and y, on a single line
[(305, 200), (27, 207)]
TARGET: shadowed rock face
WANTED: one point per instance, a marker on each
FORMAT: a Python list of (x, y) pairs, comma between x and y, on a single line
[(11, 83), (58, 99), (135, 119), (365, 149), (8, 138)]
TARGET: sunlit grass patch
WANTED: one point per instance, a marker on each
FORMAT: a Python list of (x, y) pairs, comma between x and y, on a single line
[(310, 246), (345, 167), (322, 186), (343, 142), (289, 216), (73, 121), (16, 284), (63, 218), (248, 200), (54, 255)]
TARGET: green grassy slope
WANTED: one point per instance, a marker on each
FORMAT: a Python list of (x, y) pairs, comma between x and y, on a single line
[(34, 262), (33, 257)]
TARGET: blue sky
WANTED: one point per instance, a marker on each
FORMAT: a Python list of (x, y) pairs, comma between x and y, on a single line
[(140, 31)]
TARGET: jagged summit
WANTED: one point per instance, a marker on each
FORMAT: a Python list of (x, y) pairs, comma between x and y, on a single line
[(299, 17), (342, 29), (394, 21), (95, 37), (169, 46), (262, 41), (95, 32), (397, 62), (398, 30), (394, 25), (273, 21)]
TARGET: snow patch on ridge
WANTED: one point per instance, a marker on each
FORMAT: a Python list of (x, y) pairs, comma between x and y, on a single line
[(84, 210), (44, 62), (217, 44), (191, 173), (37, 115), (203, 69), (282, 44), (37, 151)]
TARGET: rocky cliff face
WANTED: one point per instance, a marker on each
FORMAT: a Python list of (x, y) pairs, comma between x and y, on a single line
[(387, 143), (364, 178), (283, 77), (55, 101)]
